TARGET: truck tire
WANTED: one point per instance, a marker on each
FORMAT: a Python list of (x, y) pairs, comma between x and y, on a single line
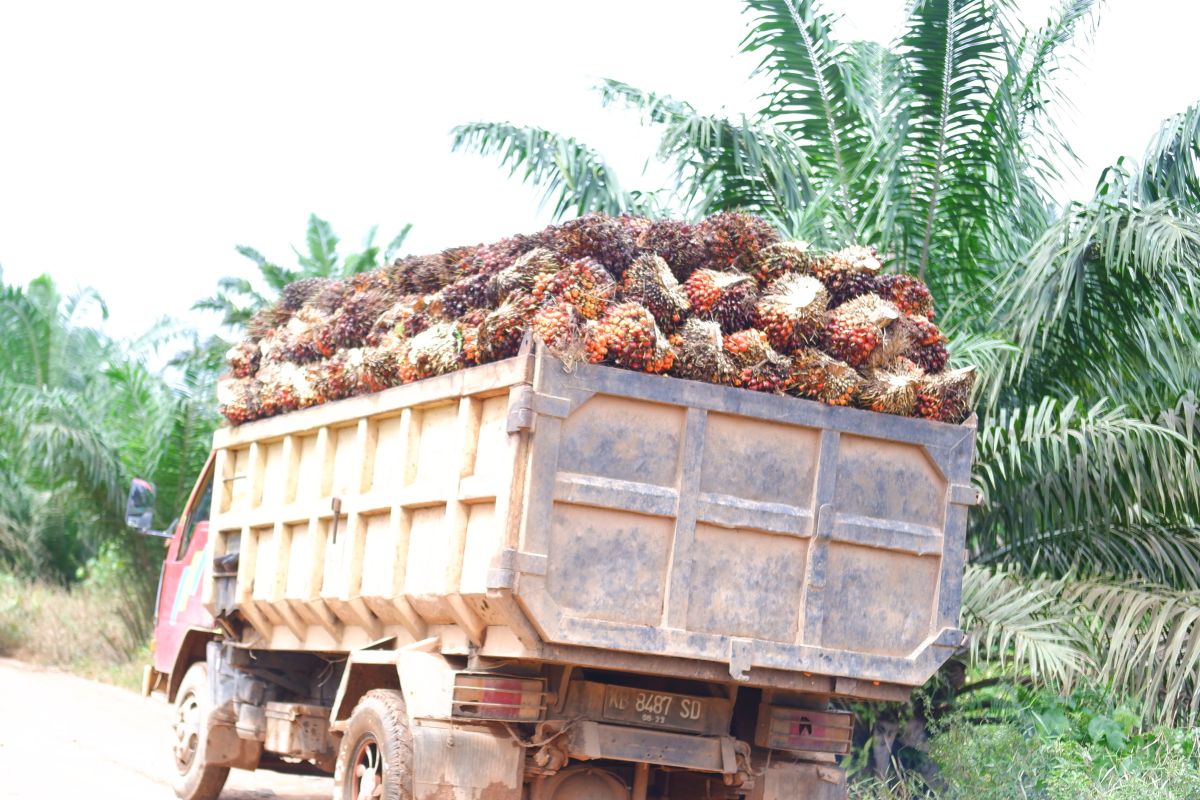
[(375, 757), (196, 779)]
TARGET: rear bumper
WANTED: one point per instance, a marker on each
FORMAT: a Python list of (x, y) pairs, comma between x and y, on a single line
[(587, 740)]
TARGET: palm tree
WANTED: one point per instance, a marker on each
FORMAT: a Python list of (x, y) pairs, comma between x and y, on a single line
[(942, 150), (238, 298)]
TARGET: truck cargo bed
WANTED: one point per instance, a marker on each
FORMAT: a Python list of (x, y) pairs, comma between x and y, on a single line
[(601, 516)]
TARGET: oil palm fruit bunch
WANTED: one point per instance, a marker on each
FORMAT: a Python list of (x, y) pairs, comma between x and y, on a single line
[(278, 393), (595, 235), (727, 297), (848, 273), (357, 316), (928, 343), (383, 367), (773, 374), (702, 355), (792, 311), (244, 358), (628, 336), (735, 240), (437, 350), (747, 347), (946, 396), (237, 399), (423, 274), (584, 283), (395, 317), (908, 293), (818, 376), (502, 330), (460, 296), (783, 258), (563, 329), (678, 243), (853, 330), (523, 273), (649, 281), (892, 389)]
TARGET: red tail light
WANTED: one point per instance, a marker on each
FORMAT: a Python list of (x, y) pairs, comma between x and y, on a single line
[(498, 697)]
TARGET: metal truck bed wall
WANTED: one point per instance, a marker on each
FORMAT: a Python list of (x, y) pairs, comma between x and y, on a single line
[(602, 516)]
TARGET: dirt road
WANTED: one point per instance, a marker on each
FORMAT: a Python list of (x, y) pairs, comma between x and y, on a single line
[(62, 736)]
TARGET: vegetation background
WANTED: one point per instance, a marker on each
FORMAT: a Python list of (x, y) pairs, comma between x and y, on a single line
[(942, 149)]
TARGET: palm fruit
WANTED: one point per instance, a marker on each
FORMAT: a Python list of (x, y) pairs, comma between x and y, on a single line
[(727, 297), (593, 235), (584, 283), (783, 258), (358, 316), (747, 347), (329, 297), (308, 336), (502, 330), (395, 318), (244, 359), (563, 329), (927, 343), (237, 399), (821, 377), (946, 397), (892, 389), (381, 367), (771, 374), (523, 273), (470, 324), (848, 273), (423, 274), (678, 243), (649, 281), (792, 311), (853, 330), (702, 354), (278, 393), (908, 293), (491, 259), (437, 350), (627, 336), (734, 239), (460, 296), (635, 225)]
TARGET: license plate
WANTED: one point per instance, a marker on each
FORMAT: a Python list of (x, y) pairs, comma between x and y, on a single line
[(659, 709)]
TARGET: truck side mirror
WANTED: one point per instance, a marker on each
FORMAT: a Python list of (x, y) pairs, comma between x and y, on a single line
[(139, 508)]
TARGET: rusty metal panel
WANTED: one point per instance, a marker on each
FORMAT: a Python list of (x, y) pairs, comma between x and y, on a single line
[(455, 763), (589, 740), (672, 518)]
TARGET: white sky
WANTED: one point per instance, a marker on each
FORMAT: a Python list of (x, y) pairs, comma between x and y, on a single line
[(139, 142)]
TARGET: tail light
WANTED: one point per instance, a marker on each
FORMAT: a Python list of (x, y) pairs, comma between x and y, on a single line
[(498, 697), (784, 728)]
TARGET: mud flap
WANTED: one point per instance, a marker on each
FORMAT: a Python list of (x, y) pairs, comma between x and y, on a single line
[(452, 762)]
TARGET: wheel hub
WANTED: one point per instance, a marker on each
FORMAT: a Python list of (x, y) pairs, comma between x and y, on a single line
[(368, 769), (187, 732)]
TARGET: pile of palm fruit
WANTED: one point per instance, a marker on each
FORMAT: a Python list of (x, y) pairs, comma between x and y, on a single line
[(723, 301)]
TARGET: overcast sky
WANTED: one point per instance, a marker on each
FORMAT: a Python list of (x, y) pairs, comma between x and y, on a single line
[(139, 142)]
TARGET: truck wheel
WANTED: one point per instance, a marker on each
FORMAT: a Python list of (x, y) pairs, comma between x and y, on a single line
[(196, 779), (375, 757)]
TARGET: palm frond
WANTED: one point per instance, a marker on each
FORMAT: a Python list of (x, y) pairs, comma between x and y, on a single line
[(1024, 624), (570, 175)]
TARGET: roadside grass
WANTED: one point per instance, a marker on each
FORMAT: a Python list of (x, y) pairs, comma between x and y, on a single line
[(87, 629)]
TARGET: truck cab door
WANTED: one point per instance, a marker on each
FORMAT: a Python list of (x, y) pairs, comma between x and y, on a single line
[(179, 606)]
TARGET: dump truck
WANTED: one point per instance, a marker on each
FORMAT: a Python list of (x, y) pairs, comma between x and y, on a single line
[(521, 581)]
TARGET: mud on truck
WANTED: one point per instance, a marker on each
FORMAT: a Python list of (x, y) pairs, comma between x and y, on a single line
[(520, 582)]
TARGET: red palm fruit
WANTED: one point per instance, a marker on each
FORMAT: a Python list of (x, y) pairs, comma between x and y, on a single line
[(649, 281), (734, 239), (381, 367), (421, 274), (636, 226), (562, 329), (523, 273), (747, 347), (596, 236), (678, 243), (727, 297), (908, 293), (848, 273), (946, 397), (462, 295), (357, 317), (395, 318), (237, 399), (784, 258), (502, 330), (853, 330), (244, 359), (437, 350), (702, 354), (629, 337), (821, 377), (928, 344), (792, 312), (892, 389), (771, 374), (584, 283)]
